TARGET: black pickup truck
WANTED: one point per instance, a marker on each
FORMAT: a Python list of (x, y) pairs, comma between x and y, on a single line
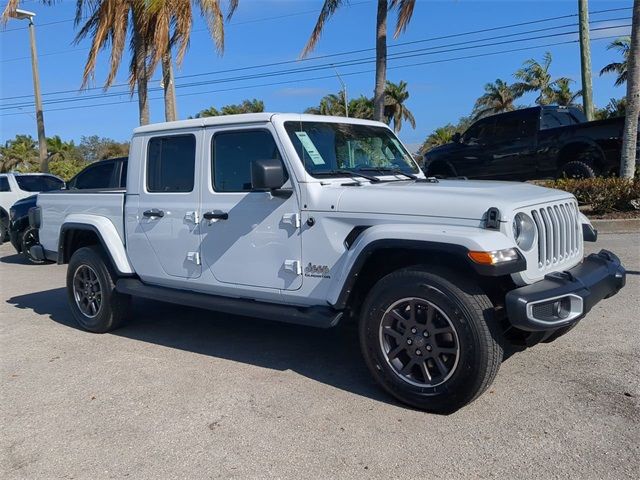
[(531, 143)]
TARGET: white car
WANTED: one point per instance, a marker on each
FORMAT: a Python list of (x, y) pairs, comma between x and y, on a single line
[(15, 186), (316, 220)]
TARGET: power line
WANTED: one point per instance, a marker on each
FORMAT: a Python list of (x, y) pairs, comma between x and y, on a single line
[(461, 34), (348, 63), (298, 81)]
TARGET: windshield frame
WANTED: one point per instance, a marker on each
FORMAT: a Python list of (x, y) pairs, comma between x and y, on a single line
[(408, 167)]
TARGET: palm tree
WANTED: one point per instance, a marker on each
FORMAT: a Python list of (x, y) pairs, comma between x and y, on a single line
[(19, 152), (535, 77), (165, 14), (622, 45), (617, 107), (332, 104), (562, 94), (394, 107), (405, 12), (440, 136), (156, 27), (498, 97), (361, 107), (58, 149)]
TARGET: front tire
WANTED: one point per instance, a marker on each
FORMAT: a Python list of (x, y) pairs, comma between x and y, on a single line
[(30, 238), (91, 293), (429, 339)]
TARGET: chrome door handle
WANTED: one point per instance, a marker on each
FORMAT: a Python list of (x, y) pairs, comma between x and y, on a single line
[(153, 213)]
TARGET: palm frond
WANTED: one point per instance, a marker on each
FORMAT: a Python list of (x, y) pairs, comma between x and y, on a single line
[(405, 12), (328, 9)]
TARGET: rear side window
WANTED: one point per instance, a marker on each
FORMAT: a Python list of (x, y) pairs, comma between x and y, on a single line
[(233, 153), (171, 163), (38, 183), (4, 184), (123, 175), (99, 175)]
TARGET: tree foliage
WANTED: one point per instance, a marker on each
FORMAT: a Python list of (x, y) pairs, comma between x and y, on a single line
[(65, 157), (498, 97), (534, 76), (622, 45), (247, 106)]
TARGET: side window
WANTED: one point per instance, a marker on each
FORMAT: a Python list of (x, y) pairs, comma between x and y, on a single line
[(98, 175), (171, 163), (508, 129), (232, 155), (4, 184), (480, 132)]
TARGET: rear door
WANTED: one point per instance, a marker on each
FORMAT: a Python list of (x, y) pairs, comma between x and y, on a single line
[(511, 152), (166, 229)]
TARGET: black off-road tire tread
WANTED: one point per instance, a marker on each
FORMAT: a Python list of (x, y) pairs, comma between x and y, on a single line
[(491, 338), (25, 251), (119, 304), (586, 160)]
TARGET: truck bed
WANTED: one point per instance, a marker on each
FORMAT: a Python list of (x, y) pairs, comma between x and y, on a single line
[(63, 206)]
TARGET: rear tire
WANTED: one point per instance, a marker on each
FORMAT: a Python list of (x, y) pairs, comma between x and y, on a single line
[(91, 293), (441, 322), (582, 167), (28, 239), (4, 228)]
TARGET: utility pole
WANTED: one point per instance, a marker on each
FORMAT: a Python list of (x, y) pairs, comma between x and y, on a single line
[(42, 139), (585, 58)]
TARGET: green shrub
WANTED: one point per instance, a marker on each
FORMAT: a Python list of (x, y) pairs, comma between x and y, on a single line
[(602, 194)]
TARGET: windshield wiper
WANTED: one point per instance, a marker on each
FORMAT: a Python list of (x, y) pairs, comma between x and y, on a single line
[(394, 171), (349, 173)]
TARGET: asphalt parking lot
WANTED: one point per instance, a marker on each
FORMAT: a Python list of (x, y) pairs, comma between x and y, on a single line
[(184, 393)]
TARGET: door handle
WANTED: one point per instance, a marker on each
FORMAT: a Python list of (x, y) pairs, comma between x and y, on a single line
[(153, 213), (215, 216)]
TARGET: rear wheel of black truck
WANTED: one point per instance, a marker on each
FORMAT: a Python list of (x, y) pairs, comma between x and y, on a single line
[(91, 293), (430, 339)]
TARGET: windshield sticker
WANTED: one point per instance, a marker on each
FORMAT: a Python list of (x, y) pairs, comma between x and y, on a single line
[(310, 148)]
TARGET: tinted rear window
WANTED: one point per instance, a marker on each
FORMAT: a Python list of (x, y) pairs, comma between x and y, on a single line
[(171, 163), (38, 183), (4, 184)]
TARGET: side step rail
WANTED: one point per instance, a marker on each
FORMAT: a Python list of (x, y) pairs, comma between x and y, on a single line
[(322, 317)]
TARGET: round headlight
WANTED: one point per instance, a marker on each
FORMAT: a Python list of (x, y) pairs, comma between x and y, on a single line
[(524, 231)]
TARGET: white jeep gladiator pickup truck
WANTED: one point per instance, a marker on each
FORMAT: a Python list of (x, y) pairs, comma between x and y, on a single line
[(313, 220)]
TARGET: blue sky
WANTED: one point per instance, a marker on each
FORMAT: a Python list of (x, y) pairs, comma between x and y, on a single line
[(266, 31)]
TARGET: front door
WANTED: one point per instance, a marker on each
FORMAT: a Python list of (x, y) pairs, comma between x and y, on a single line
[(249, 238), (164, 240)]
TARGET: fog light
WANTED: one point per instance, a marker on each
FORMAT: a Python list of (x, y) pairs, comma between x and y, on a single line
[(562, 308)]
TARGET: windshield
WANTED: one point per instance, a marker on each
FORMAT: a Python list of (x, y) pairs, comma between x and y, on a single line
[(38, 183), (335, 148)]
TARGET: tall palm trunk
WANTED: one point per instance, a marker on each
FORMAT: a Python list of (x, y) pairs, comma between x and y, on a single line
[(381, 61), (630, 132), (170, 109), (142, 73)]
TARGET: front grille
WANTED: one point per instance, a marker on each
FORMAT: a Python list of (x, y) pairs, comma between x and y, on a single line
[(559, 235)]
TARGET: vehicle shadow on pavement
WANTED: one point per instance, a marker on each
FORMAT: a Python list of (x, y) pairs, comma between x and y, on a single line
[(17, 259), (329, 356)]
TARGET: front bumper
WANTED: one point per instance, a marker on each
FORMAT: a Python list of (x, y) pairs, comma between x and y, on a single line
[(563, 298)]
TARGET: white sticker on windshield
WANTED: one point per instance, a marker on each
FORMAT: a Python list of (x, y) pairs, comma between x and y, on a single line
[(310, 148)]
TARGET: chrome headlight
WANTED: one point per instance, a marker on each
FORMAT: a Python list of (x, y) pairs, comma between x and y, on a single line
[(524, 231)]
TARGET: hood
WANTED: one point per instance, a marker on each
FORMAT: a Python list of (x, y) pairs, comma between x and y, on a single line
[(464, 199), (440, 149)]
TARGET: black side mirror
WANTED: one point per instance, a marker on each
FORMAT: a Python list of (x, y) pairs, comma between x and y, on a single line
[(267, 174), (456, 137)]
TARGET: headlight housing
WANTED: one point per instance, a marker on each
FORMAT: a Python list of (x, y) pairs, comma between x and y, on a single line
[(524, 231)]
